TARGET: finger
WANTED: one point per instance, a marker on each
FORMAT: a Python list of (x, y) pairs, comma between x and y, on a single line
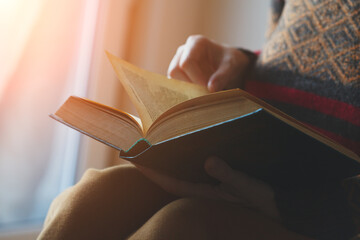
[(190, 65), (175, 60), (170, 185), (207, 70), (178, 187), (218, 169), (245, 185), (178, 74), (225, 77), (219, 80), (249, 191), (230, 72), (230, 194), (174, 70)]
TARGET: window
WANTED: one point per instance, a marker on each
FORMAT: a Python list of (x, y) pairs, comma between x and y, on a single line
[(45, 58)]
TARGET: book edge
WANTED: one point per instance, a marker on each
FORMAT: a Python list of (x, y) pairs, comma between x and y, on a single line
[(182, 135), (53, 116)]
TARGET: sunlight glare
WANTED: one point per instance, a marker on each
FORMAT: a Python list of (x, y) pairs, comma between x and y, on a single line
[(17, 18)]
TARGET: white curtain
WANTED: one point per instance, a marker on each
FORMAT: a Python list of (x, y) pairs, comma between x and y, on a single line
[(45, 48)]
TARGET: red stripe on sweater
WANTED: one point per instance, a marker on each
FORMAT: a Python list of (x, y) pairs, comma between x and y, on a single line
[(304, 99)]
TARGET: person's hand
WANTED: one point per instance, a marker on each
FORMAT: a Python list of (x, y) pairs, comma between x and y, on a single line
[(210, 64), (234, 186)]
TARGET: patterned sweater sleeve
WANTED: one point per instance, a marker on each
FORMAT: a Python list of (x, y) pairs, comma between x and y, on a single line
[(308, 68)]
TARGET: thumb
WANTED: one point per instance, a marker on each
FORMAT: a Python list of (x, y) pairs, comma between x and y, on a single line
[(219, 79)]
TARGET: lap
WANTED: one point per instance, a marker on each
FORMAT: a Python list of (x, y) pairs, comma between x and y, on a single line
[(208, 219), (115, 202), (104, 204)]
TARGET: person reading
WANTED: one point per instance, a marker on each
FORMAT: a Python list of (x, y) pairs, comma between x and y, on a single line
[(303, 69)]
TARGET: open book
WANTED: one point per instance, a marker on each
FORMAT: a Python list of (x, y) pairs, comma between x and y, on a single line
[(180, 124)]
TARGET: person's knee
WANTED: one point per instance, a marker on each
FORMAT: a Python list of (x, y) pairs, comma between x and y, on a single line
[(181, 219), (102, 189), (96, 184), (93, 194), (109, 177), (184, 211), (90, 203), (210, 219)]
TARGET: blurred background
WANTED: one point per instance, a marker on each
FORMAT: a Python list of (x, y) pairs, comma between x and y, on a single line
[(51, 49)]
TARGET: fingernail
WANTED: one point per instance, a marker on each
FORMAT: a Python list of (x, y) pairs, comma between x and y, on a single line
[(212, 86)]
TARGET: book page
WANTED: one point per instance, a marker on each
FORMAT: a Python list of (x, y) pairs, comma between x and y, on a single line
[(105, 124), (200, 113), (151, 93)]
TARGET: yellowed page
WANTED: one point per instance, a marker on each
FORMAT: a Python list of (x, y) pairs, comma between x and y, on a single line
[(200, 113), (105, 124), (151, 93)]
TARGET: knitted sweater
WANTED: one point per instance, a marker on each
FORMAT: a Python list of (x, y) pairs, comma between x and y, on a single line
[(309, 68)]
